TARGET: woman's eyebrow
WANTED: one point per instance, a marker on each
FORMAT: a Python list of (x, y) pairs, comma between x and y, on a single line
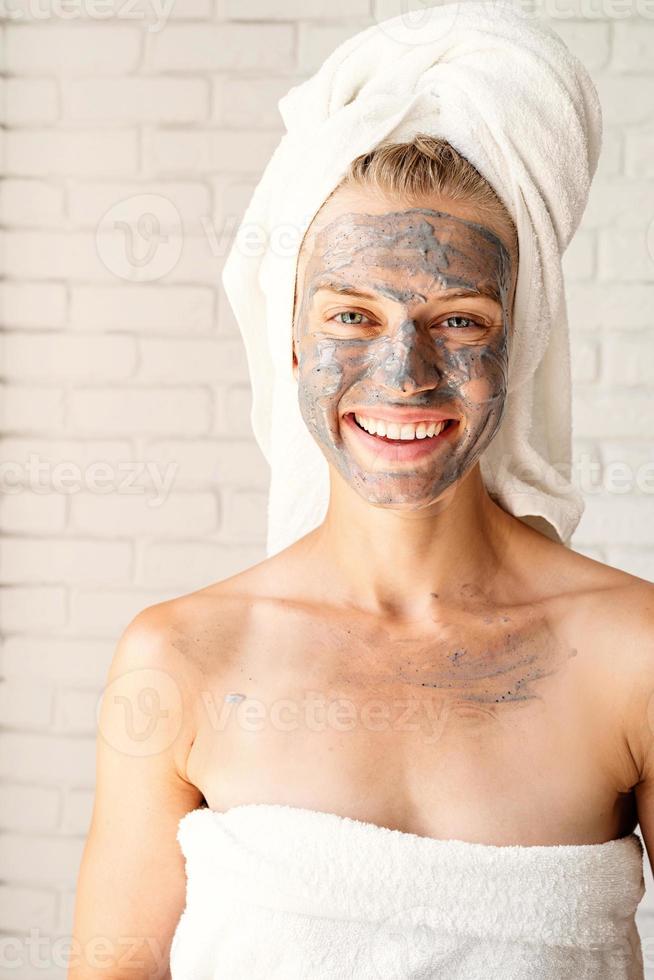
[(344, 290), (488, 290)]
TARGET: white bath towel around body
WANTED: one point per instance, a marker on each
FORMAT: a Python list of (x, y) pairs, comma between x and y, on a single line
[(284, 893)]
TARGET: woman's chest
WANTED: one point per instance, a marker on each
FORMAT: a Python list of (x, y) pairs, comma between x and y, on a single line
[(496, 735)]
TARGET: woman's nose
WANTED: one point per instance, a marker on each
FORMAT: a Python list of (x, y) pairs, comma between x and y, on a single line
[(407, 359)]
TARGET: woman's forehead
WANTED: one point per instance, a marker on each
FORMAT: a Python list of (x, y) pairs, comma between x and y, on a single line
[(359, 229), (363, 236), (350, 199)]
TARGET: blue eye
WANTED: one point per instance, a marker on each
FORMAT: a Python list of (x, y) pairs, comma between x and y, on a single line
[(467, 324), (349, 313), (467, 319)]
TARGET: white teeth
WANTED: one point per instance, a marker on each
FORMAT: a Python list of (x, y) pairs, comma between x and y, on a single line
[(392, 430)]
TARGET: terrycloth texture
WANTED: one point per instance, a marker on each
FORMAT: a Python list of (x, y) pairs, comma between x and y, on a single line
[(283, 893), (504, 89)]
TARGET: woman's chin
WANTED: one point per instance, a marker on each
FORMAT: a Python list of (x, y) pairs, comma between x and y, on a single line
[(410, 500)]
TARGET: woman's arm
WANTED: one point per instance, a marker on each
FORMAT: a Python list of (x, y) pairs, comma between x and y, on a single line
[(634, 656), (131, 885)]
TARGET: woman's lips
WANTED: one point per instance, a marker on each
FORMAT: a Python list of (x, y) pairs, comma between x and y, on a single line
[(399, 450)]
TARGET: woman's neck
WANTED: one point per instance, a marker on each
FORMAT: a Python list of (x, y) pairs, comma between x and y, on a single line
[(395, 563)]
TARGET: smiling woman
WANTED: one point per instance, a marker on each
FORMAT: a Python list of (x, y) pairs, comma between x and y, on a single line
[(404, 745)]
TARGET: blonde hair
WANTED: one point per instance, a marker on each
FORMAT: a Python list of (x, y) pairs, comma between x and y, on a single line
[(426, 166)]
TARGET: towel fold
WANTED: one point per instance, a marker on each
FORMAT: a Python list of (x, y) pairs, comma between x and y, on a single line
[(283, 893), (506, 92)]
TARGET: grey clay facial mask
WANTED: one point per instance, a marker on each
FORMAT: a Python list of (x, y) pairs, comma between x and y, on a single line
[(403, 347)]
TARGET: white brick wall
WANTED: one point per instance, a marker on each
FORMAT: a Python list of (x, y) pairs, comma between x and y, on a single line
[(114, 380)]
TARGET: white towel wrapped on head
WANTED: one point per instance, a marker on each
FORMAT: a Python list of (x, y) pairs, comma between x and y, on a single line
[(502, 87)]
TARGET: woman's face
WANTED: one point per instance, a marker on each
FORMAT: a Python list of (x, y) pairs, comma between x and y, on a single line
[(403, 318)]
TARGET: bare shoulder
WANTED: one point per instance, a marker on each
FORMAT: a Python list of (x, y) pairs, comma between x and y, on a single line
[(596, 597), (611, 603), (205, 604), (163, 660), (195, 631), (610, 610), (627, 640), (612, 613)]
